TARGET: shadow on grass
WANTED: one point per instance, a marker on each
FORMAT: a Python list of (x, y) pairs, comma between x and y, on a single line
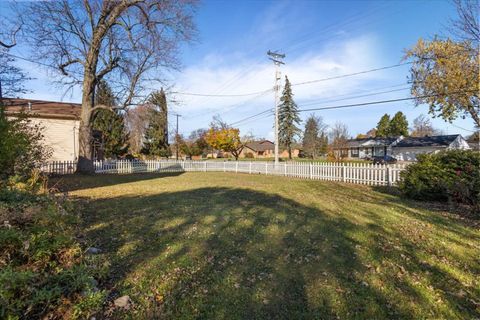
[(242, 254), (79, 182)]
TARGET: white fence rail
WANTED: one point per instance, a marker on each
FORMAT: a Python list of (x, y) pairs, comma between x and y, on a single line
[(360, 173)]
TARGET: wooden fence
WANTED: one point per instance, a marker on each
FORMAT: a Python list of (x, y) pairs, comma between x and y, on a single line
[(361, 173), (59, 167)]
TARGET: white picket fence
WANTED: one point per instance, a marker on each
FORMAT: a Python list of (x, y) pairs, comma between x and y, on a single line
[(59, 167), (360, 173)]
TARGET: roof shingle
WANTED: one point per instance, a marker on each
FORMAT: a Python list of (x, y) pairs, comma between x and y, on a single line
[(42, 109), (433, 141)]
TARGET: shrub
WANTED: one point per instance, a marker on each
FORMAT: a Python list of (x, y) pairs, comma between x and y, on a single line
[(449, 175), (44, 273), (21, 146), (249, 155)]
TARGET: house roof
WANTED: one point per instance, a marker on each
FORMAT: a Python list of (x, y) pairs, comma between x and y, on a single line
[(428, 141), (377, 141), (42, 109), (260, 145)]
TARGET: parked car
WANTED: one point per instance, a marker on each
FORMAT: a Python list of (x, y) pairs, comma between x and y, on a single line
[(384, 160)]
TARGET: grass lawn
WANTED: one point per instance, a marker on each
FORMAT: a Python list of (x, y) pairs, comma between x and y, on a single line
[(236, 246)]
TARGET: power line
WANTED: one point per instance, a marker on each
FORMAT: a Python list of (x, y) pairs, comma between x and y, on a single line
[(242, 94), (462, 128), (357, 96), (268, 115), (229, 108), (253, 116), (221, 95), (353, 105), (378, 102), (352, 74), (349, 97)]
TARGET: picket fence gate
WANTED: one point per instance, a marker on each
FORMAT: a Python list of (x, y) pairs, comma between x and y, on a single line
[(360, 173)]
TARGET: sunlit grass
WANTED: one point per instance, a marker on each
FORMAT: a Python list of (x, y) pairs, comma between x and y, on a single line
[(215, 245)]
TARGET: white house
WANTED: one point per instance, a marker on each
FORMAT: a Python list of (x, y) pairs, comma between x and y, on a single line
[(371, 147), (59, 122), (407, 149)]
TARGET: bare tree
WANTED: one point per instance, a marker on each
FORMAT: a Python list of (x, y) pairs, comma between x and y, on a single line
[(466, 26), (12, 78), (126, 42), (8, 33), (137, 120), (339, 136), (422, 126)]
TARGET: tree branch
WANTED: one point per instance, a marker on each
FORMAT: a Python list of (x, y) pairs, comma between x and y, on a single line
[(66, 64)]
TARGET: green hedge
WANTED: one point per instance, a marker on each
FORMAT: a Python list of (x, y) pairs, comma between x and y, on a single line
[(450, 175)]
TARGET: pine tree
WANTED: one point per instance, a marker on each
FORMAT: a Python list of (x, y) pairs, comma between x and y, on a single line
[(383, 126), (156, 135), (288, 119), (110, 123), (398, 125)]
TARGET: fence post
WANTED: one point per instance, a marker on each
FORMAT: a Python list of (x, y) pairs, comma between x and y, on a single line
[(389, 176), (250, 168), (266, 168), (344, 173), (311, 171), (236, 166), (224, 169), (205, 167), (285, 169)]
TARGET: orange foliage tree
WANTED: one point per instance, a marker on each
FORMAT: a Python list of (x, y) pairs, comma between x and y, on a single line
[(225, 139)]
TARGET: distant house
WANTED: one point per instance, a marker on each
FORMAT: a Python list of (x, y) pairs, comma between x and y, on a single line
[(408, 149), (59, 121), (403, 149), (258, 149), (295, 151), (370, 147), (266, 149)]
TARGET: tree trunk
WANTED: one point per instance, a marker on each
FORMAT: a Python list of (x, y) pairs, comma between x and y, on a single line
[(85, 154), (289, 152)]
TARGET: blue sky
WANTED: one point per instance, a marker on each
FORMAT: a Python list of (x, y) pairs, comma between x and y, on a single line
[(320, 39)]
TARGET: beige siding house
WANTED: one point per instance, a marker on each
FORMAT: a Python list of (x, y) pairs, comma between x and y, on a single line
[(59, 122)]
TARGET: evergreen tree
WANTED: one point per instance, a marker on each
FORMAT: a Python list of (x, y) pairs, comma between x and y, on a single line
[(288, 119), (323, 149), (156, 135), (110, 123), (383, 126), (398, 125)]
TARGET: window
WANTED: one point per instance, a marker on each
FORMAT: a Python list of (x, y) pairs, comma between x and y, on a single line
[(379, 151), (354, 152)]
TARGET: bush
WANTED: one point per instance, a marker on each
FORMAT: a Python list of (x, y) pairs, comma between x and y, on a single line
[(249, 155), (43, 270), (450, 175), (21, 146)]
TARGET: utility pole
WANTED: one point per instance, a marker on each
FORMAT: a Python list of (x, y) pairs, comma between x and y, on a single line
[(277, 61), (176, 138)]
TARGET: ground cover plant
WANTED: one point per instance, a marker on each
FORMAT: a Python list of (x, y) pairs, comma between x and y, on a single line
[(44, 273), (223, 245)]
